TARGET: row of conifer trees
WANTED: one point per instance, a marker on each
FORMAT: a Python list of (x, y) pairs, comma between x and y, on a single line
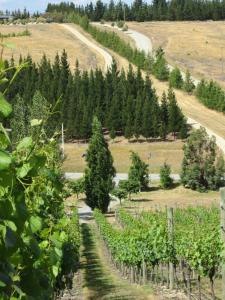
[(126, 104), (141, 11)]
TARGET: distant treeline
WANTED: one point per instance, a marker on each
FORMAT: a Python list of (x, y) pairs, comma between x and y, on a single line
[(158, 10), (126, 104), (20, 14)]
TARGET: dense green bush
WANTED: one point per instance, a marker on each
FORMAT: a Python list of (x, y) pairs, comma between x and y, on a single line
[(211, 95), (166, 181), (203, 167)]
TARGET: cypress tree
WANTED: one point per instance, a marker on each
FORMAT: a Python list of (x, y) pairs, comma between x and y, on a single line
[(99, 172), (39, 111), (176, 118), (138, 116), (164, 115), (19, 120)]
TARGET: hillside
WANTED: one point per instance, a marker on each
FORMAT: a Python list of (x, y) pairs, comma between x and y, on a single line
[(198, 46), (50, 39)]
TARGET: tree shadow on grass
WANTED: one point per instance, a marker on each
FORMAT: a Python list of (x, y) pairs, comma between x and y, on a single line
[(96, 280)]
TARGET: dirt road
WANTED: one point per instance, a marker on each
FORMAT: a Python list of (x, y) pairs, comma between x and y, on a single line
[(107, 57)]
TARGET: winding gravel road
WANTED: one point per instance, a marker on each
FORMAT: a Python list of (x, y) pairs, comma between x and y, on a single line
[(107, 57)]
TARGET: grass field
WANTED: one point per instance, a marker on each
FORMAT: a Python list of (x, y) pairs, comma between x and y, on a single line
[(170, 151), (198, 46), (50, 39)]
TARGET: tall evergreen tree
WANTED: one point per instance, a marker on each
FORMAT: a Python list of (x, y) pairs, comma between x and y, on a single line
[(99, 172), (164, 116), (39, 110), (176, 118)]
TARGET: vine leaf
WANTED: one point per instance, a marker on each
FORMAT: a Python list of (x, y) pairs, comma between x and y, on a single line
[(5, 106), (5, 160), (35, 224)]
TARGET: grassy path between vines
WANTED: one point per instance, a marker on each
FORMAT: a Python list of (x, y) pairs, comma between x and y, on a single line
[(100, 281)]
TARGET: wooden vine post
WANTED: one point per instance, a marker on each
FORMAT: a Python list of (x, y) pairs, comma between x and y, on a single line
[(222, 208), (171, 239)]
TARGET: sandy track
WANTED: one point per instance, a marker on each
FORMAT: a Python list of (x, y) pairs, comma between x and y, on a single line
[(107, 57)]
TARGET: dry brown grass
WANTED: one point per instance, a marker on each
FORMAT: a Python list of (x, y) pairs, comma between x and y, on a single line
[(176, 197), (170, 151), (198, 46), (50, 39)]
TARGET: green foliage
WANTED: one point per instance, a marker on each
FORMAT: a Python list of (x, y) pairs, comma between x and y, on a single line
[(131, 186), (138, 171), (120, 194), (19, 121), (77, 186), (120, 24), (133, 108), (38, 111), (100, 171), (140, 11), (166, 181), (176, 121), (203, 167), (188, 84), (211, 95), (175, 78), (33, 225), (160, 68), (197, 240), (26, 32)]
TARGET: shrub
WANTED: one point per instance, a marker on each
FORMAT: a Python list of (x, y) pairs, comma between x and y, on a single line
[(166, 181), (120, 24)]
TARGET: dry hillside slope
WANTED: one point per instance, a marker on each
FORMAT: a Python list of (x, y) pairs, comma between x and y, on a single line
[(198, 46), (50, 39)]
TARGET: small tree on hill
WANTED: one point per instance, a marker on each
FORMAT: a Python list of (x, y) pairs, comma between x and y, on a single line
[(188, 85), (166, 181), (138, 171), (160, 68), (203, 167), (175, 79), (100, 171)]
